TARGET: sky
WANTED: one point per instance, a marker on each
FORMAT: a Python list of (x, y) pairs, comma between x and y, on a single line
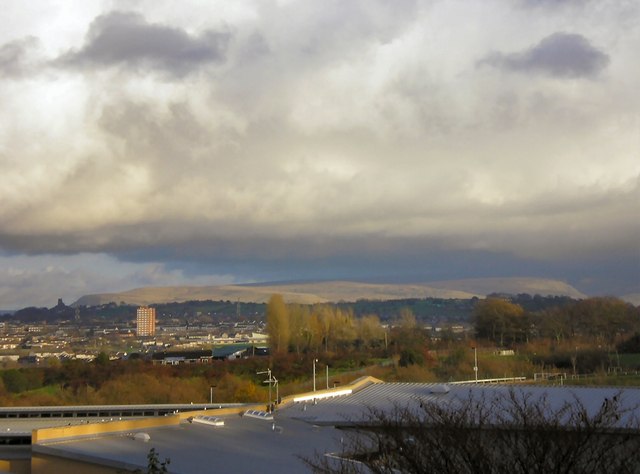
[(154, 142)]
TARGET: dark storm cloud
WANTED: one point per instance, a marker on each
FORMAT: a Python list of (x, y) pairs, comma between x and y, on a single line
[(15, 58), (383, 259), (127, 39), (563, 55)]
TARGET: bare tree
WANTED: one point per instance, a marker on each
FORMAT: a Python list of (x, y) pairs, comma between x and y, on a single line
[(509, 432)]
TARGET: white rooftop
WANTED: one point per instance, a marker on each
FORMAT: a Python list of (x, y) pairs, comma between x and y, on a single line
[(250, 444)]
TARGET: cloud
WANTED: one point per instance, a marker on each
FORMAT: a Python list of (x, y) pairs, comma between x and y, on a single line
[(564, 55), (555, 3), (309, 138), (127, 40), (40, 280), (17, 58)]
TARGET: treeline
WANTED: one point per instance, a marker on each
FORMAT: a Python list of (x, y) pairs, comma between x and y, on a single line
[(102, 381), (335, 331), (499, 320), (192, 312), (605, 319), (424, 309), (128, 382), (319, 328)]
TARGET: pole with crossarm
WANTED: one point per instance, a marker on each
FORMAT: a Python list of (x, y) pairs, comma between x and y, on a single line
[(268, 372)]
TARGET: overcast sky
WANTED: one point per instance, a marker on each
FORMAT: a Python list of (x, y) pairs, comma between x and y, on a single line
[(150, 142)]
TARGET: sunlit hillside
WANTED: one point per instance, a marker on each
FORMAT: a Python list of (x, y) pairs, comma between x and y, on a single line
[(336, 291)]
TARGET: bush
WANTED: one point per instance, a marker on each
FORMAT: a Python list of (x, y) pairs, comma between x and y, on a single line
[(410, 357)]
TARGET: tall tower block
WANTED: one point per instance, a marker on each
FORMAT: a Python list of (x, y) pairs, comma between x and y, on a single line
[(146, 321)]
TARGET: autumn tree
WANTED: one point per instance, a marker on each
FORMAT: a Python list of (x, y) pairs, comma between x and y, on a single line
[(150, 388), (299, 321), (344, 330), (369, 330), (604, 318), (319, 328), (325, 317), (499, 320), (278, 326), (553, 323), (409, 340), (315, 335), (232, 387)]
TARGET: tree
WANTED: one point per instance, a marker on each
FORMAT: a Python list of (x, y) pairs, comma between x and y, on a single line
[(154, 466), (369, 330), (508, 432), (344, 328), (278, 324), (499, 320), (553, 323), (604, 318), (407, 336), (630, 345), (410, 357), (15, 381), (101, 359), (299, 326), (325, 324)]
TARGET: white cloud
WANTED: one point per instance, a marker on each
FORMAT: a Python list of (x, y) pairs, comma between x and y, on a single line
[(40, 280), (333, 121)]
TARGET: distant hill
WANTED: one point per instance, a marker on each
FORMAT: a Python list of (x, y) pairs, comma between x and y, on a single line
[(335, 291), (633, 298), (512, 286)]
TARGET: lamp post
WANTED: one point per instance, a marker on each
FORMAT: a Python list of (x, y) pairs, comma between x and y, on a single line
[(475, 358), (268, 372), (314, 374)]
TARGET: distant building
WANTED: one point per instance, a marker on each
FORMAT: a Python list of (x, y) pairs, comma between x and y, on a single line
[(146, 321)]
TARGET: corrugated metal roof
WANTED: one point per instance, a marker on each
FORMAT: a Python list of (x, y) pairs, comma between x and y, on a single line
[(387, 396), (245, 444)]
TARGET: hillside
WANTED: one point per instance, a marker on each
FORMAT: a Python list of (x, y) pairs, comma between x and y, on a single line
[(513, 286), (335, 291)]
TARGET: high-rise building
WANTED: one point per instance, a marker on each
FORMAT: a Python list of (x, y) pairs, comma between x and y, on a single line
[(146, 321)]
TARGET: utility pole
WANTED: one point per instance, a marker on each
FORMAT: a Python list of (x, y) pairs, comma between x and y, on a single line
[(268, 372), (327, 376), (314, 374), (275, 382), (475, 358)]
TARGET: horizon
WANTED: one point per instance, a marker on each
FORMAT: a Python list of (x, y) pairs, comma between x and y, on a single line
[(155, 144), (475, 287)]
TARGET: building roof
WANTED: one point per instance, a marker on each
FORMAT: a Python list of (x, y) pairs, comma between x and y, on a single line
[(298, 430), (387, 396), (243, 444), (229, 349)]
